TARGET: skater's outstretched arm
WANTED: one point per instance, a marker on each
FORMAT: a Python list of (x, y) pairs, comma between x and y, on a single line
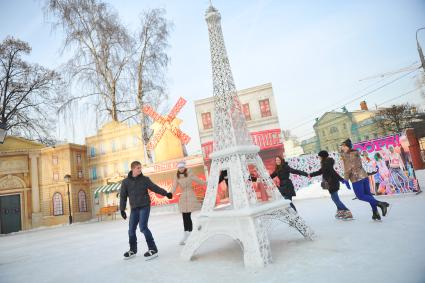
[(157, 189), (174, 186), (316, 173), (196, 179), (297, 172), (123, 196)]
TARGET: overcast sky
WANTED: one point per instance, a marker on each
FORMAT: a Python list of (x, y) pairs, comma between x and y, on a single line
[(313, 52)]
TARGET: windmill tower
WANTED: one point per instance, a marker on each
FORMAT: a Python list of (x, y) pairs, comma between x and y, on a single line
[(245, 219)]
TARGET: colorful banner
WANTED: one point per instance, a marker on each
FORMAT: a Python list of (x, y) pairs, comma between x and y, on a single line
[(389, 157)]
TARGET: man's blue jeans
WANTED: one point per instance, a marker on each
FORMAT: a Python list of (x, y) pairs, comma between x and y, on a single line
[(140, 215)]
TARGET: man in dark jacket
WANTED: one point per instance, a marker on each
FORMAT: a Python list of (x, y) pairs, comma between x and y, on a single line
[(135, 187)]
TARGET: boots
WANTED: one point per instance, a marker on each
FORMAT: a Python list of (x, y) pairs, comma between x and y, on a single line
[(383, 206), (185, 236), (347, 215), (376, 216)]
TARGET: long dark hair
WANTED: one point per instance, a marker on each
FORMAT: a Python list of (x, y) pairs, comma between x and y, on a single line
[(282, 161), (181, 173)]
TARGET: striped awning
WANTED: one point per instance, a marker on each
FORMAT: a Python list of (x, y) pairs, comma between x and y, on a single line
[(106, 189)]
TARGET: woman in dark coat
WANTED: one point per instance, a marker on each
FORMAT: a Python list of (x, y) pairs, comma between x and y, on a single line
[(282, 171), (330, 182)]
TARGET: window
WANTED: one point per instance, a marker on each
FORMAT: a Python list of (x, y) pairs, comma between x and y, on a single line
[(324, 133), (265, 108), (55, 176), (79, 158), (101, 149), (82, 201), (92, 151), (57, 204), (93, 173), (206, 120), (246, 112), (55, 160), (125, 166), (124, 144), (333, 130), (80, 174), (113, 146)]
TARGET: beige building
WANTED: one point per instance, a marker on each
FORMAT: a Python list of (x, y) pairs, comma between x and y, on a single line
[(259, 108), (33, 192), (334, 127)]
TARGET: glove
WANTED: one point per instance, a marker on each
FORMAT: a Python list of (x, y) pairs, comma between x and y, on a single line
[(169, 195), (345, 182), (123, 214)]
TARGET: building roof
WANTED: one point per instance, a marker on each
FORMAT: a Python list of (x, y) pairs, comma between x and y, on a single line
[(13, 143)]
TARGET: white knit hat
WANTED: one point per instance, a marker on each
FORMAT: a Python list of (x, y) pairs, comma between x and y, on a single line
[(181, 164)]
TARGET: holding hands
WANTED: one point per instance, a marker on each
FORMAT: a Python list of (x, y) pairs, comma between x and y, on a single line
[(345, 182)]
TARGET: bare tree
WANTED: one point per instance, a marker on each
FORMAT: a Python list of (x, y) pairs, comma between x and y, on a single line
[(28, 93), (396, 118), (101, 52), (150, 64)]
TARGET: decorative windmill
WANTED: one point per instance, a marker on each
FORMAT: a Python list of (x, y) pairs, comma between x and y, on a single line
[(167, 139), (245, 220)]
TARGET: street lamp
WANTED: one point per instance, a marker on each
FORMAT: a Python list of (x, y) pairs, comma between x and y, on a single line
[(67, 179), (3, 132), (421, 54)]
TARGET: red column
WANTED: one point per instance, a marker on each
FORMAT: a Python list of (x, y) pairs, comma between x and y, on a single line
[(415, 150)]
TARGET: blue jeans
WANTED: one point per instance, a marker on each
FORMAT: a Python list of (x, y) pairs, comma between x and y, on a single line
[(140, 215), (337, 201), (362, 191)]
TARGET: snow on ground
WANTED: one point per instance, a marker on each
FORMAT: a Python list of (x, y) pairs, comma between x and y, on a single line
[(355, 251)]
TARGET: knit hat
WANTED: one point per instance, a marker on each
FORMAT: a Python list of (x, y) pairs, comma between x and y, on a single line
[(348, 143), (181, 164), (323, 153)]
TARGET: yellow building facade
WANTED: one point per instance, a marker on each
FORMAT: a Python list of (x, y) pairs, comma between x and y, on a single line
[(33, 192), (334, 127), (109, 155)]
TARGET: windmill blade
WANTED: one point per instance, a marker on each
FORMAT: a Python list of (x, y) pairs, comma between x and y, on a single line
[(156, 138), (152, 113), (182, 136), (176, 109)]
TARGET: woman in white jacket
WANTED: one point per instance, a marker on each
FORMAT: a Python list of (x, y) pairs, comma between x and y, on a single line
[(188, 201)]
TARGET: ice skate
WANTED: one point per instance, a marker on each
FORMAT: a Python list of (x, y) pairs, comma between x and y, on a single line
[(129, 254), (185, 236), (383, 206), (347, 215), (151, 254), (376, 216)]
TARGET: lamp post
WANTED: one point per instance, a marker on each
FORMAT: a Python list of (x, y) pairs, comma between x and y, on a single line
[(3, 132), (421, 54), (67, 179)]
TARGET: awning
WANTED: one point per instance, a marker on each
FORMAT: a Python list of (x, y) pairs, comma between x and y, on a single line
[(106, 189)]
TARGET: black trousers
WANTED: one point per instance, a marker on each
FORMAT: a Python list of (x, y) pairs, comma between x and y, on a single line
[(187, 221)]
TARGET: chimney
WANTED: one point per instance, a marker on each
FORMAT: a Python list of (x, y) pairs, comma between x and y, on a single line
[(363, 105)]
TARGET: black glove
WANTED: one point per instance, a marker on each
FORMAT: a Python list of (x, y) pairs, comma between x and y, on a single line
[(169, 195), (123, 214)]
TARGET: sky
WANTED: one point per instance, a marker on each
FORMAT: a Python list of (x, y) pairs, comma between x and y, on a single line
[(315, 53)]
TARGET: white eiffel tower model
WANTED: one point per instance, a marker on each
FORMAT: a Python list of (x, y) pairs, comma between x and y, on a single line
[(246, 220)]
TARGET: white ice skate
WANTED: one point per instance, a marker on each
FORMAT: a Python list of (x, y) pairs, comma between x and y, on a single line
[(185, 236)]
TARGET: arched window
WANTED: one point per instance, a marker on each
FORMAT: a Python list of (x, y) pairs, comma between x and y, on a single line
[(57, 204), (333, 130), (82, 201)]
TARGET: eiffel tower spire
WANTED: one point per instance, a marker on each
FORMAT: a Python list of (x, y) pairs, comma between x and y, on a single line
[(230, 128)]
